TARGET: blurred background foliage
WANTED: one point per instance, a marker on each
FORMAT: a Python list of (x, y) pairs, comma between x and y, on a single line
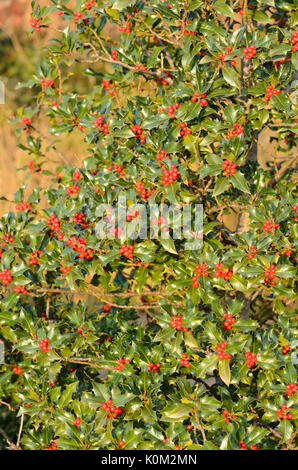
[(19, 52)]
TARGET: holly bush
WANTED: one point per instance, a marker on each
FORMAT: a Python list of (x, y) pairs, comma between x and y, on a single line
[(115, 341)]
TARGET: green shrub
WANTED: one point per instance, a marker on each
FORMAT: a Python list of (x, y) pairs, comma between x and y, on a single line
[(175, 118)]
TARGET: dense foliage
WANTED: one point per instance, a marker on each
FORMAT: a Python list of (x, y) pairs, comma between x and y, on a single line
[(143, 344)]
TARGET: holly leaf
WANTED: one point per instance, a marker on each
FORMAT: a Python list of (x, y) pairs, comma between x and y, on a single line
[(224, 371)]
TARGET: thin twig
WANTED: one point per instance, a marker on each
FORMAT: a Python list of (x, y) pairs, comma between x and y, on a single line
[(20, 430), (199, 424)]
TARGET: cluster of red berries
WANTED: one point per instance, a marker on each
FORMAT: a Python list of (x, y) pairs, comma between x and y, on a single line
[(77, 15), (111, 410), (249, 52), (76, 175), (229, 167), (269, 275), (99, 122), (141, 67), (46, 83), (241, 10), (171, 108), (80, 330), (289, 251), (222, 56), (270, 226), (108, 85), (285, 349), (225, 414), (127, 251), (162, 81), (185, 31), (138, 132), (176, 322), (52, 446), (230, 320), (169, 176), (114, 54), (185, 131), (75, 122), (243, 445), (184, 361), (291, 389), (17, 370), (89, 5), (118, 168), (23, 206), (195, 98), (237, 130), (54, 223), (251, 359), (5, 276), (155, 367), (121, 363), (34, 257), (204, 102), (286, 252), (7, 238), (144, 193), (220, 272), (282, 413), (126, 28), (202, 269), (74, 189), (34, 23), (26, 122), (295, 208), (252, 251), (220, 351), (34, 168), (162, 154), (294, 41), (195, 282), (98, 191), (44, 345), (270, 91), (78, 245), (21, 290), (65, 269), (79, 218), (77, 422)]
